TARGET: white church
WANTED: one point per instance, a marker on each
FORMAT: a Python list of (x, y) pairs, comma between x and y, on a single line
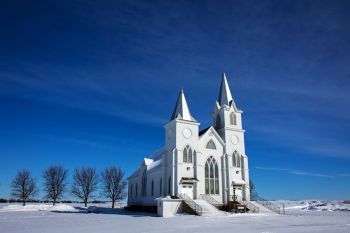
[(209, 164)]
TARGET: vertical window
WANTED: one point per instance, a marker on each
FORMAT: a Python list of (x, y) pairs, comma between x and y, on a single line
[(152, 189), (218, 121), (211, 145), (187, 154), (136, 189), (233, 119), (144, 183), (236, 159), (169, 185), (211, 176), (131, 190), (160, 187)]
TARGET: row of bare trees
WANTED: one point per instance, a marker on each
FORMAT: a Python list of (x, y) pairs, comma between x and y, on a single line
[(85, 184)]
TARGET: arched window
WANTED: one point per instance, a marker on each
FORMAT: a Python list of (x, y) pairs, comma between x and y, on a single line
[(131, 190), (211, 145), (233, 119), (187, 154), (152, 188), (144, 183), (218, 122), (234, 160), (160, 187), (169, 185), (136, 189), (211, 176)]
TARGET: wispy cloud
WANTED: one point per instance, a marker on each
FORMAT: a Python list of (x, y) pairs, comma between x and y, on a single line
[(295, 172)]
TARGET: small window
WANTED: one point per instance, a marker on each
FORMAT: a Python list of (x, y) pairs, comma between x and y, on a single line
[(233, 119), (211, 145), (236, 159)]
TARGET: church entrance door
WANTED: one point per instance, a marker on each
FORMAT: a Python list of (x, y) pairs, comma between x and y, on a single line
[(188, 190)]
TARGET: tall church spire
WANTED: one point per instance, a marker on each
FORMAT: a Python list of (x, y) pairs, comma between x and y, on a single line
[(225, 96), (181, 110)]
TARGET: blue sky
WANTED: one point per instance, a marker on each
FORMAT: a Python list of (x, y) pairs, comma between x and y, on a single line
[(93, 82)]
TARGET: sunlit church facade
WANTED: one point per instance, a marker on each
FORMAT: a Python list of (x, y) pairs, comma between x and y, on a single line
[(196, 162)]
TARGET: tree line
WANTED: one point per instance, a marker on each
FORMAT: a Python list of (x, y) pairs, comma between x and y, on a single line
[(86, 182)]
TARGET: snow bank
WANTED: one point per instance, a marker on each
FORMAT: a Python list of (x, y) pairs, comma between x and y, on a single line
[(38, 207)]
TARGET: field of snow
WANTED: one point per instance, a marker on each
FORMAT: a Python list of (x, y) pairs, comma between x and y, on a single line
[(74, 218)]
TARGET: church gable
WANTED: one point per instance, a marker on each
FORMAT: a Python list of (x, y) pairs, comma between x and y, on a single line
[(210, 136)]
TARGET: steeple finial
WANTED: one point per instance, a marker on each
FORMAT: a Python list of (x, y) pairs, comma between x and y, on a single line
[(225, 96), (181, 110)]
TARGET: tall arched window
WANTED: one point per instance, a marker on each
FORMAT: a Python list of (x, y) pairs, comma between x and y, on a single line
[(211, 176), (169, 185), (160, 187), (152, 188), (131, 190), (233, 119), (136, 189), (187, 154), (144, 183), (211, 145), (218, 122), (234, 159)]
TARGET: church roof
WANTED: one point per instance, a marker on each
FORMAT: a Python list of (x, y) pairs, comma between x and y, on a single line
[(203, 131), (225, 96), (181, 110)]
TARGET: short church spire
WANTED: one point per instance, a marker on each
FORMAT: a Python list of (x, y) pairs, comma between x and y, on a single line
[(181, 110), (225, 96)]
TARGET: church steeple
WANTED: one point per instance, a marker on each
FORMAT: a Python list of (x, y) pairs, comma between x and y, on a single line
[(181, 110), (225, 96)]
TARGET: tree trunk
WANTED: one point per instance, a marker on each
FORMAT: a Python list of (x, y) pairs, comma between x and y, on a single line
[(85, 202), (113, 204), (24, 202), (54, 201)]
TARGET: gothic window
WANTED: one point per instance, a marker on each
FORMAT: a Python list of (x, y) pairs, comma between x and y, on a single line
[(131, 190), (211, 176), (211, 145), (169, 185), (236, 159), (136, 189), (160, 186), (218, 121), (144, 183), (152, 188), (187, 154), (233, 119)]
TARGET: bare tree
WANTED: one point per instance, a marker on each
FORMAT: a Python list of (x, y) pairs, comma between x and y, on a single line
[(85, 181), (113, 184), (54, 182), (23, 186)]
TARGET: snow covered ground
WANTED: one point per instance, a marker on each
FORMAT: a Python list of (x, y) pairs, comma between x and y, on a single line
[(300, 217)]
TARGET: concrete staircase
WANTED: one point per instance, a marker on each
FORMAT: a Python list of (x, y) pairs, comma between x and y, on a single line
[(208, 209)]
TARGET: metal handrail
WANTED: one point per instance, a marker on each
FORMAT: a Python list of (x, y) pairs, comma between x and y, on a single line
[(209, 199), (191, 203), (251, 207), (269, 205)]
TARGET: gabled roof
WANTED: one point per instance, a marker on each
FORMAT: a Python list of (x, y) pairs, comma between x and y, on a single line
[(181, 110), (212, 129)]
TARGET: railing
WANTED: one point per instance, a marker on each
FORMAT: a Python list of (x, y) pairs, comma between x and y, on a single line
[(251, 207), (269, 205), (247, 204), (209, 199), (191, 203)]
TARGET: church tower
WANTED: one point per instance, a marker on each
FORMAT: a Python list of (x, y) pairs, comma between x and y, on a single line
[(227, 120), (181, 143)]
